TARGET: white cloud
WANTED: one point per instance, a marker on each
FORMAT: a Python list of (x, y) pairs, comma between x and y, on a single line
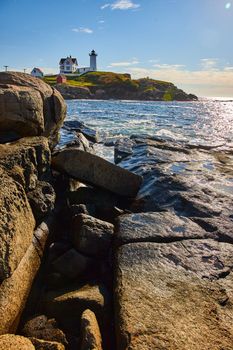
[(105, 6), (168, 66), (228, 69), (101, 21), (206, 81), (82, 30), (121, 5), (209, 63), (124, 64)]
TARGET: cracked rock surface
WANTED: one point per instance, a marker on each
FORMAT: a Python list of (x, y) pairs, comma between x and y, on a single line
[(174, 256)]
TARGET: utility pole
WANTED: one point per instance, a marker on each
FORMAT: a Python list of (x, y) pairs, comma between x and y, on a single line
[(6, 68)]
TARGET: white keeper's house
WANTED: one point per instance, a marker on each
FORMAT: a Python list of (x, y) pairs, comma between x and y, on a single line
[(69, 65)]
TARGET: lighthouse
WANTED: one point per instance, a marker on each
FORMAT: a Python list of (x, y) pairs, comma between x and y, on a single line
[(93, 64)]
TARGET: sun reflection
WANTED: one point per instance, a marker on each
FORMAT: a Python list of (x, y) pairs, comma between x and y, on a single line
[(228, 5)]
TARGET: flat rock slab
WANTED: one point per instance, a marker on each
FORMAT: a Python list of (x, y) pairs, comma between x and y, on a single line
[(73, 300), (46, 345), (156, 227), (97, 171), (174, 296)]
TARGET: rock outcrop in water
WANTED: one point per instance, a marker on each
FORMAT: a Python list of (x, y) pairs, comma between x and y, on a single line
[(97, 256), (107, 85)]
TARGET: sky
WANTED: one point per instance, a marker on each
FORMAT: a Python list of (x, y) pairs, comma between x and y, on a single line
[(187, 42)]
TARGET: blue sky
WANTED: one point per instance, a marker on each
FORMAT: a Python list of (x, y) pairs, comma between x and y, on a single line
[(188, 42)]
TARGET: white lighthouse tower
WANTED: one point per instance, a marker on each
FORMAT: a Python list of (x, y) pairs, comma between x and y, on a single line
[(93, 64)]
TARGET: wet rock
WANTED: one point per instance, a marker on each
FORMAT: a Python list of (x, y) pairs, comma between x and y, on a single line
[(157, 227), (192, 182), (14, 290), (83, 141), (15, 342), (42, 328), (122, 149), (75, 125), (187, 282), (42, 200), (30, 107), (91, 337), (40, 344), (97, 171), (75, 140), (26, 161), (72, 264), (16, 225), (220, 227), (92, 236)]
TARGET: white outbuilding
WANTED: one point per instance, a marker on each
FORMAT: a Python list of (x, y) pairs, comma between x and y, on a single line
[(37, 72)]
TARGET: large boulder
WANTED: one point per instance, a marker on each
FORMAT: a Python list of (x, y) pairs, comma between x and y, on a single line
[(17, 224), (92, 169), (30, 107), (15, 342), (166, 293), (22, 164), (40, 344)]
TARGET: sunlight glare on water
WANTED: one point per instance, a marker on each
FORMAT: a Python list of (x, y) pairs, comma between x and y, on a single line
[(202, 122)]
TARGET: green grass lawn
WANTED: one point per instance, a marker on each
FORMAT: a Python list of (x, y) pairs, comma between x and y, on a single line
[(110, 79)]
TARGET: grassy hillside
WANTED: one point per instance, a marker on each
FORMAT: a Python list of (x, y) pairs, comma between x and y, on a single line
[(116, 85)]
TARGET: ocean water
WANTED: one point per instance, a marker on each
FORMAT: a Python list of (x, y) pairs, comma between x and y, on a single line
[(207, 122)]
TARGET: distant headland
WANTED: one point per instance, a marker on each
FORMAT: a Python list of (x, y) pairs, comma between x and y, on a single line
[(75, 82), (109, 85)]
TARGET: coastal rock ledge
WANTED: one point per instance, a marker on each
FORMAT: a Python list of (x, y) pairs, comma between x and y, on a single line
[(167, 292), (96, 256)]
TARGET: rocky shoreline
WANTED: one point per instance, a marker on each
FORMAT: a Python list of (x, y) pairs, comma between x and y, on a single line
[(94, 255)]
